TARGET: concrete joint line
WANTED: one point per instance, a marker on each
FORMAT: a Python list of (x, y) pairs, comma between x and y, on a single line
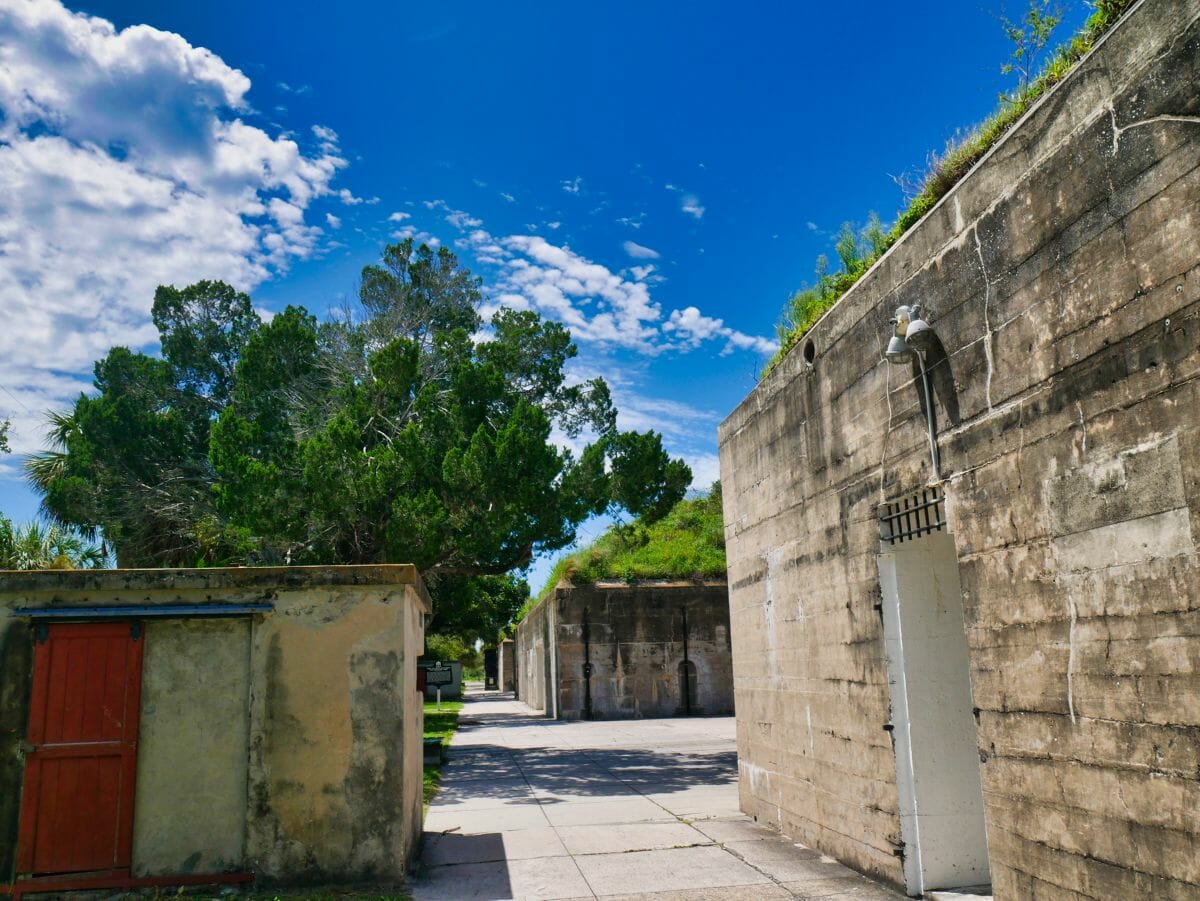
[(760, 870)]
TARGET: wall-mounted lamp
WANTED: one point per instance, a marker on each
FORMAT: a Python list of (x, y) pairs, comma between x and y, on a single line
[(913, 336), (898, 350)]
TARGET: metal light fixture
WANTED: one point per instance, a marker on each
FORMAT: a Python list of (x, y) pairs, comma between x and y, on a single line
[(898, 350), (913, 336), (920, 334)]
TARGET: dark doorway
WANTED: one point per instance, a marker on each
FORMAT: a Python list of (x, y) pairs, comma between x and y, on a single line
[(77, 800), (687, 687)]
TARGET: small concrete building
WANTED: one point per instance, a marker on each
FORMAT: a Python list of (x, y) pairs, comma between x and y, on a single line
[(966, 617), (616, 650), (172, 726)]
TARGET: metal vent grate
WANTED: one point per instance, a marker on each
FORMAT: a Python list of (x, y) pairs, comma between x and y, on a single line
[(912, 517)]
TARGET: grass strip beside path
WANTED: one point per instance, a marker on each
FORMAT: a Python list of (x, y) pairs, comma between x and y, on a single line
[(439, 724)]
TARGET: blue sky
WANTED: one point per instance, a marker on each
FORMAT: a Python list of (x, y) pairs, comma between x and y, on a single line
[(659, 176)]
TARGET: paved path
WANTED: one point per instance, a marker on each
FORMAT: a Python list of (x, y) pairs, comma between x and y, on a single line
[(531, 808)]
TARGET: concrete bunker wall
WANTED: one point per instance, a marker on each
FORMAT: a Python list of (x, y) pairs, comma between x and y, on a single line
[(1062, 277), (637, 638), (287, 743), (532, 657), (507, 663)]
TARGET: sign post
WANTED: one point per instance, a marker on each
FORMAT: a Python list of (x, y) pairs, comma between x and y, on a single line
[(438, 675)]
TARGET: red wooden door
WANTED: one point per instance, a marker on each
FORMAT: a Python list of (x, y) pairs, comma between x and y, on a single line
[(77, 800)]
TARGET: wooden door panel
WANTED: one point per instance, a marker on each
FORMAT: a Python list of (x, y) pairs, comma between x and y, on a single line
[(77, 802), (76, 797)]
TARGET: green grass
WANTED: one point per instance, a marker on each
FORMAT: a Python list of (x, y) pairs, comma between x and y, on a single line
[(440, 724), (945, 170), (687, 543)]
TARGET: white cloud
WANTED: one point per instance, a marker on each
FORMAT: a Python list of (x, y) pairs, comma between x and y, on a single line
[(706, 469), (333, 221), (632, 221), (461, 220), (347, 197), (691, 325), (574, 186), (458, 218), (508, 197), (399, 217), (681, 422), (689, 203), (598, 305), (562, 282), (125, 164), (554, 226), (418, 237), (639, 252), (693, 328)]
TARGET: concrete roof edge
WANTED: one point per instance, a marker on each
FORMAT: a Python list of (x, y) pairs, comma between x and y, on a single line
[(650, 583), (234, 577)]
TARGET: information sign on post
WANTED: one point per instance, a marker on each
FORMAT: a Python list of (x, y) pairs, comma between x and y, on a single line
[(439, 675)]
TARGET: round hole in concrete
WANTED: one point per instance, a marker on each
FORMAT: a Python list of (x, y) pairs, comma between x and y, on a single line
[(810, 352)]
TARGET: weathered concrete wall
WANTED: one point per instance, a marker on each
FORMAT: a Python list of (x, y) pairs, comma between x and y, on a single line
[(190, 805), (322, 689), (533, 661), (508, 665), (636, 642), (1063, 279)]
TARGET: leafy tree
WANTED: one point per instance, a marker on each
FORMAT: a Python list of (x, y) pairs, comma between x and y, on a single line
[(449, 649), (478, 607), (37, 546), (4, 427), (405, 430), (408, 431), (131, 460)]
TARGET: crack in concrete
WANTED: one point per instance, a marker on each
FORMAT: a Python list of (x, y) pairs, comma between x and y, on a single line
[(1082, 432), (1119, 130), (883, 445), (1071, 657), (987, 325)]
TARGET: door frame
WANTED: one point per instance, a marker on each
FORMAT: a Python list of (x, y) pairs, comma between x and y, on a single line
[(126, 747)]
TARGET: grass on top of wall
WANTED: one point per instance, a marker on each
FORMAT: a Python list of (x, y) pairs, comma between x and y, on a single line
[(687, 543), (858, 251)]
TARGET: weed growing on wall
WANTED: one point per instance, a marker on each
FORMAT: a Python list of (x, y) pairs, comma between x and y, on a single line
[(858, 251)]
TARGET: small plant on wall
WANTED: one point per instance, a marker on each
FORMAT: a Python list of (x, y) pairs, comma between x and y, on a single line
[(1029, 36)]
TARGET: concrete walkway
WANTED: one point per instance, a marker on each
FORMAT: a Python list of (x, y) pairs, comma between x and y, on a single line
[(531, 808)]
